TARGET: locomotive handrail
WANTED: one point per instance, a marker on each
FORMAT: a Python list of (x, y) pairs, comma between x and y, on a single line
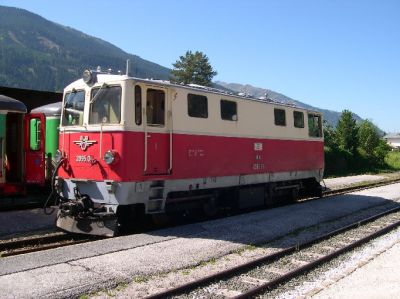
[(145, 139), (101, 141), (170, 141)]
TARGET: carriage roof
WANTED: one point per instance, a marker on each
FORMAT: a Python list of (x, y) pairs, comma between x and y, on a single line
[(53, 109), (11, 105)]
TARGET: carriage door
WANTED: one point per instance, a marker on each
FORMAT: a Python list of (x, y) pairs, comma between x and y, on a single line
[(157, 134), (2, 154), (35, 170)]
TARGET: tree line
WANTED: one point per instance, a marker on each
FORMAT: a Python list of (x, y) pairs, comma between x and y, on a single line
[(353, 147)]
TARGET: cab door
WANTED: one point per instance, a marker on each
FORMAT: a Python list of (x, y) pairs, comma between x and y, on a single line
[(35, 168), (157, 135)]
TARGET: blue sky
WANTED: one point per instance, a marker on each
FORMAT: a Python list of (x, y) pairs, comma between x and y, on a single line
[(333, 54)]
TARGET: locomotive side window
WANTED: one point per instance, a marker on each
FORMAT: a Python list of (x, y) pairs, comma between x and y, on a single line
[(197, 106), (229, 110), (298, 119), (314, 125), (72, 114), (138, 105), (106, 105), (155, 107), (280, 117)]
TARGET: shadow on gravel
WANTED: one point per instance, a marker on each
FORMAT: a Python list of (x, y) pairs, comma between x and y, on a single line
[(15, 222), (266, 225)]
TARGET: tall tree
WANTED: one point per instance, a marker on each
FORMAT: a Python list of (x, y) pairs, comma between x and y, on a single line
[(330, 138), (193, 68), (368, 137), (346, 132)]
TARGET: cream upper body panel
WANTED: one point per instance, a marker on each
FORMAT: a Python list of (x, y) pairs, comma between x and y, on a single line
[(254, 118)]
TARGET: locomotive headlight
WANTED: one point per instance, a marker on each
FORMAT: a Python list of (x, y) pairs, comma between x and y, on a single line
[(109, 157), (89, 77), (58, 156)]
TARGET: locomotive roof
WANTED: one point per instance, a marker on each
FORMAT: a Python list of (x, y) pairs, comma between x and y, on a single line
[(53, 109), (105, 77), (11, 105)]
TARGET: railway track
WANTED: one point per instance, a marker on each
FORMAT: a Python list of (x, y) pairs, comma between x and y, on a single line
[(41, 242), (361, 186), (265, 273), (46, 241)]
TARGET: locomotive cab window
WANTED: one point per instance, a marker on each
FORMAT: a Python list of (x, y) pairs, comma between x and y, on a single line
[(155, 107), (314, 125), (105, 105), (197, 106), (280, 117), (298, 118), (72, 114), (229, 110)]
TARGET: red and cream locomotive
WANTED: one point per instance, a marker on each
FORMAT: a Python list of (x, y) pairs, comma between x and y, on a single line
[(130, 147)]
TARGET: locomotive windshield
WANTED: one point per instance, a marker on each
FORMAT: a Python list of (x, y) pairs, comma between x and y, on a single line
[(74, 103), (105, 105)]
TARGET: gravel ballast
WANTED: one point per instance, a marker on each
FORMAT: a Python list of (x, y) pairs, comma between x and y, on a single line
[(133, 260)]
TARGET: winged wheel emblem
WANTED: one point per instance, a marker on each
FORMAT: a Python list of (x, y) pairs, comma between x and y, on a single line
[(84, 142)]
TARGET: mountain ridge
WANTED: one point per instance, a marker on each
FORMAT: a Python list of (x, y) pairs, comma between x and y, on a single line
[(44, 55), (332, 117), (39, 54)]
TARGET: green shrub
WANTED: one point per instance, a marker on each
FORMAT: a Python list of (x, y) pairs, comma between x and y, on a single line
[(392, 159)]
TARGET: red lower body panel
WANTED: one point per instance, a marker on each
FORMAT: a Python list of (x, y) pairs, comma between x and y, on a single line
[(193, 156)]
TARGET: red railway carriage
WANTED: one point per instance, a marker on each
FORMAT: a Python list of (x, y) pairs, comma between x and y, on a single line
[(131, 146), (22, 161)]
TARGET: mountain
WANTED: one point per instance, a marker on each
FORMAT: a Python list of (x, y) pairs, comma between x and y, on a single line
[(42, 55), (38, 54), (330, 116)]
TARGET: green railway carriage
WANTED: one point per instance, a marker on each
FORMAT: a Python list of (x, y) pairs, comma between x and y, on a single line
[(52, 114)]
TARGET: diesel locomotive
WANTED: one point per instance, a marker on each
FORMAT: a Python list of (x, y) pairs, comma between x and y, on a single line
[(130, 147)]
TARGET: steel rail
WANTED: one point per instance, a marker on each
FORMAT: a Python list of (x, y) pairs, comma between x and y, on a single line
[(31, 240), (361, 187), (184, 288), (316, 263), (39, 243), (59, 239)]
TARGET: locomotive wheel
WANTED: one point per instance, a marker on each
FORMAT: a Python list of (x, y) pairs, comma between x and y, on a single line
[(210, 207), (295, 194), (160, 219)]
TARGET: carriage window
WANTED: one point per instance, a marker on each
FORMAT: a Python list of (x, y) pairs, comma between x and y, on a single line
[(298, 119), (73, 108), (280, 117), (229, 110), (138, 105), (34, 134), (106, 105), (314, 125), (197, 106), (155, 107)]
